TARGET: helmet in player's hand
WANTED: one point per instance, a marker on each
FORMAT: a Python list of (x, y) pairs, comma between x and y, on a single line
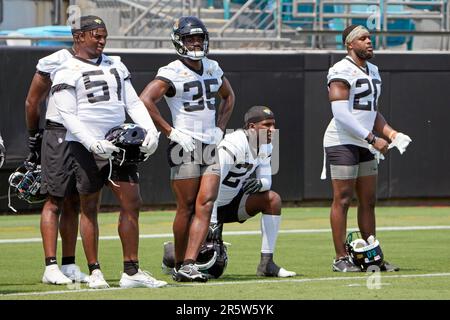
[(128, 137), (185, 27), (26, 182)]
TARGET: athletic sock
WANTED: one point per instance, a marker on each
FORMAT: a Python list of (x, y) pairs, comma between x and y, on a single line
[(130, 267), (49, 261), (93, 267), (68, 260), (270, 224)]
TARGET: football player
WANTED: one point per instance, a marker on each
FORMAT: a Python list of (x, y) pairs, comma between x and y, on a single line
[(92, 92), (246, 179), (62, 204), (189, 85), (357, 133), (2, 151)]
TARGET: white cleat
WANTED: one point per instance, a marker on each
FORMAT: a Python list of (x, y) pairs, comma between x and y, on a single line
[(141, 279), (73, 272), (52, 275), (283, 273), (97, 281)]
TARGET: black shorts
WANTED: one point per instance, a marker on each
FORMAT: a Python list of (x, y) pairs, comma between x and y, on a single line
[(348, 155), (230, 212), (92, 172), (58, 178)]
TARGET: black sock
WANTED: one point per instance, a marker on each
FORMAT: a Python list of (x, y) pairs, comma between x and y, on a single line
[(50, 260), (68, 260), (130, 267), (188, 261), (178, 265), (93, 267)]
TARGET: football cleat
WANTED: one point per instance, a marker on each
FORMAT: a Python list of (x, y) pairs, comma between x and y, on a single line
[(189, 273), (344, 264), (387, 267), (97, 281), (52, 275), (141, 279), (73, 272), (283, 273)]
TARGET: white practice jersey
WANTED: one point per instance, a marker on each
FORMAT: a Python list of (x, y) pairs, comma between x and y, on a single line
[(99, 91), (191, 98), (365, 89), (244, 162), (48, 66)]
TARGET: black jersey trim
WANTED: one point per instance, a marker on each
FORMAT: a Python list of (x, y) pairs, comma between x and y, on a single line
[(97, 63), (42, 73), (60, 87), (199, 72), (171, 91), (366, 71), (339, 80), (229, 152)]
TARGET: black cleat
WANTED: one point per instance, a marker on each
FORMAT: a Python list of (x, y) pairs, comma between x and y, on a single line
[(345, 264), (387, 267), (189, 273)]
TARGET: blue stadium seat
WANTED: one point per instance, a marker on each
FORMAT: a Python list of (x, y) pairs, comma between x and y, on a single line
[(392, 25), (48, 31)]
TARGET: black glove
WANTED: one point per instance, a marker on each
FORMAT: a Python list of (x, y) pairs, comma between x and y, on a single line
[(2, 154), (252, 185), (34, 144)]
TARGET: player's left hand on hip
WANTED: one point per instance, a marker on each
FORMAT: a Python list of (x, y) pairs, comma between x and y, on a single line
[(252, 185), (150, 143), (217, 135), (401, 142), (377, 154)]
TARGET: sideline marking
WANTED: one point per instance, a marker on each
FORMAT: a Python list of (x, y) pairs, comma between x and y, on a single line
[(225, 283), (241, 233)]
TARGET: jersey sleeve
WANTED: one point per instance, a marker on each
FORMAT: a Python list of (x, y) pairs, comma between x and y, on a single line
[(47, 65), (341, 72), (64, 78), (233, 147)]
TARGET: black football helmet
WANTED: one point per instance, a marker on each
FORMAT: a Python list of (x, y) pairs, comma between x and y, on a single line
[(187, 26), (128, 137), (364, 253), (211, 260), (26, 183)]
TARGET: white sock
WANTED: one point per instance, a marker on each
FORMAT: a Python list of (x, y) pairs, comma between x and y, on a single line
[(270, 224)]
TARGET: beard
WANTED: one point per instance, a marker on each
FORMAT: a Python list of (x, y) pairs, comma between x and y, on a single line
[(362, 54)]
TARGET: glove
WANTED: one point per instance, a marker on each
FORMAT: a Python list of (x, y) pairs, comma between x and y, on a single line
[(103, 148), (401, 141), (184, 140), (34, 144), (150, 143), (35, 141), (378, 155), (2, 153), (217, 135), (252, 185)]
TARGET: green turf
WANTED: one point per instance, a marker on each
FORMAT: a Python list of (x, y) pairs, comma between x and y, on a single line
[(418, 253)]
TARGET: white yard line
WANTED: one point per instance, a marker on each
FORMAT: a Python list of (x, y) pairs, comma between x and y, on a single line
[(226, 283), (242, 233)]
